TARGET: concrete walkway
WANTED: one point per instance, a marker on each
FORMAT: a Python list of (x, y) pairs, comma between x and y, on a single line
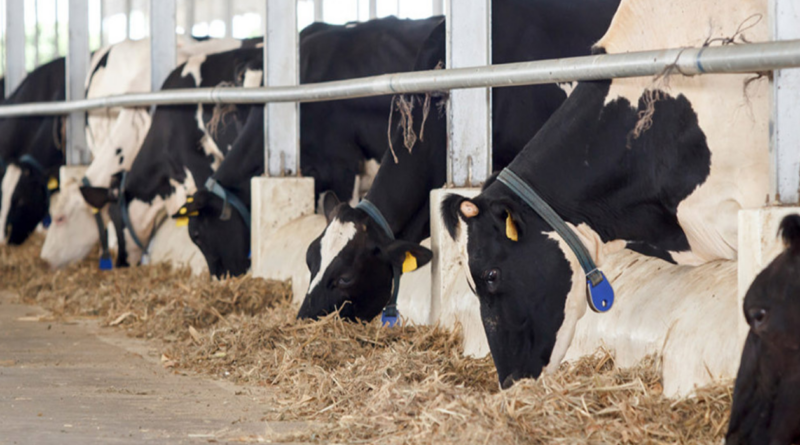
[(77, 383)]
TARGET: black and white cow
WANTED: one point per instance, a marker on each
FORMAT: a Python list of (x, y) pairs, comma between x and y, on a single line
[(353, 262), (336, 137), (179, 151), (31, 152), (626, 164), (766, 398)]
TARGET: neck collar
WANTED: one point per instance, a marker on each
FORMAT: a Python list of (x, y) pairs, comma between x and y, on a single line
[(390, 313)]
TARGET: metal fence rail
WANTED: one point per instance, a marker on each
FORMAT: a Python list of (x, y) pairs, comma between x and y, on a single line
[(755, 57)]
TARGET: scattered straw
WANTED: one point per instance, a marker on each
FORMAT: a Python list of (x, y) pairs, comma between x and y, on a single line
[(360, 382)]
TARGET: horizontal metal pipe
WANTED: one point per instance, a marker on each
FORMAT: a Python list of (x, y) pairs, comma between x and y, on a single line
[(755, 57)]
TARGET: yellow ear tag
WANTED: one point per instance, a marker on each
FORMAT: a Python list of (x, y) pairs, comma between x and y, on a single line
[(511, 229), (194, 214), (410, 263), (182, 211), (183, 221), (52, 184), (95, 211), (190, 200)]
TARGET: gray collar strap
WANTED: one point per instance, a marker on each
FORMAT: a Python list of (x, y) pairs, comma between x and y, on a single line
[(105, 256), (600, 293), (126, 218), (390, 313), (229, 199)]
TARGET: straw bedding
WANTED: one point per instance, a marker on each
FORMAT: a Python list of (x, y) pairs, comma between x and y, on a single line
[(359, 382)]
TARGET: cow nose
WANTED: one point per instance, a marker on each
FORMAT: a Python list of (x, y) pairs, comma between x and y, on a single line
[(508, 382)]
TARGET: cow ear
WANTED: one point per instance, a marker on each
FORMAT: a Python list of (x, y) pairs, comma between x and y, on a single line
[(407, 255), (328, 202), (511, 221), (790, 232), (453, 208), (97, 197)]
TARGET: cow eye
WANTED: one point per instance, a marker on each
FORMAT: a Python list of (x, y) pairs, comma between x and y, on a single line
[(345, 281), (757, 316), (491, 275)]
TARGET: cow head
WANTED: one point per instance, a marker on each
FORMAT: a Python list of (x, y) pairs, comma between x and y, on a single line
[(352, 264), (225, 243), (28, 201), (512, 253), (766, 399), (72, 233)]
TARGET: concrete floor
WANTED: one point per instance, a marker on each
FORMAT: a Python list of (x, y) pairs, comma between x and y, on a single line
[(78, 383)]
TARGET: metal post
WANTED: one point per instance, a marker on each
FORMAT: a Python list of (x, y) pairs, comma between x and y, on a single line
[(15, 45), (281, 123), (437, 7), (77, 67), (785, 137), (163, 49), (318, 12), (36, 33), (190, 14), (228, 18), (469, 111), (373, 9), (57, 36), (102, 24), (128, 13)]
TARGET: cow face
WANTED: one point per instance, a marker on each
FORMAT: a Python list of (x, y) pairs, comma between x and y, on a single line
[(28, 205), (766, 399), (225, 243), (526, 285), (352, 263), (72, 233)]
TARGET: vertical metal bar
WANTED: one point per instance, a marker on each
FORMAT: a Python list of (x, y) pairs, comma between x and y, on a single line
[(36, 33), (128, 22), (785, 134), (57, 32), (469, 111), (319, 15), (77, 68), (373, 9), (190, 15), (397, 8), (281, 123), (228, 18), (163, 49), (102, 23), (437, 7), (15, 45)]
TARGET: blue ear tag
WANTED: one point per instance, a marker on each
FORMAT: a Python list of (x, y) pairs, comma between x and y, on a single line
[(106, 264), (46, 221), (389, 316), (600, 292)]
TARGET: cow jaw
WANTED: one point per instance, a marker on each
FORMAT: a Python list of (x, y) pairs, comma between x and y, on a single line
[(9, 184), (336, 237), (73, 234)]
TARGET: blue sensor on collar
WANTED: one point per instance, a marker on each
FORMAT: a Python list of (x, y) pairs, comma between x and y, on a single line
[(389, 316), (47, 221), (600, 292), (106, 264)]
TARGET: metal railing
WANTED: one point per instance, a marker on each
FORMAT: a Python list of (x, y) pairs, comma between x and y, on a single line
[(756, 57)]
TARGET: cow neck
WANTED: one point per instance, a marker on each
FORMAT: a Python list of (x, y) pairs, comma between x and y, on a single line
[(401, 188), (588, 167)]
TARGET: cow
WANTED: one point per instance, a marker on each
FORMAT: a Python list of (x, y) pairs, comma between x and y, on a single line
[(627, 163), (122, 68), (336, 138), (179, 151), (766, 397), (356, 261), (30, 151)]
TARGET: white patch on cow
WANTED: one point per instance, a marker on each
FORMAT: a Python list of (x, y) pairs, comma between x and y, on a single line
[(576, 304), (9, 184), (145, 218), (192, 68), (253, 78), (734, 119), (127, 136), (182, 191), (210, 147), (73, 232), (336, 237), (568, 87)]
